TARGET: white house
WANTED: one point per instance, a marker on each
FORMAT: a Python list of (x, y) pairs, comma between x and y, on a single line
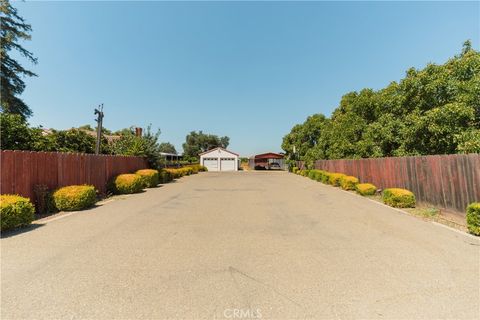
[(219, 159)]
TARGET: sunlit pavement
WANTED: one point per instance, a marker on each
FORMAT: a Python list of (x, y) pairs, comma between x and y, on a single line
[(248, 245)]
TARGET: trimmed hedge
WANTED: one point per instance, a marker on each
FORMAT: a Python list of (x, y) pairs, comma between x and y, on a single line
[(165, 176), (348, 182), (72, 198), (312, 174), (177, 173), (334, 178), (366, 189), (15, 211), (127, 183), (473, 218), (325, 178), (304, 172), (150, 177), (399, 198), (196, 168)]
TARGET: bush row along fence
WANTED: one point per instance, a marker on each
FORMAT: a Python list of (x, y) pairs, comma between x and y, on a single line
[(447, 181), (22, 170)]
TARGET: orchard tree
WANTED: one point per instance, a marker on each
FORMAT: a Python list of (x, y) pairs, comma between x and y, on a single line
[(13, 30), (434, 110)]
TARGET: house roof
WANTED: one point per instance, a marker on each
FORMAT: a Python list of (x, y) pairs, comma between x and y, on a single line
[(208, 151)]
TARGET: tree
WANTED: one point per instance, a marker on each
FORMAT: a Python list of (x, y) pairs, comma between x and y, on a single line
[(145, 146), (73, 140), (198, 142), (434, 110), (167, 147), (13, 29), (15, 133), (305, 137)]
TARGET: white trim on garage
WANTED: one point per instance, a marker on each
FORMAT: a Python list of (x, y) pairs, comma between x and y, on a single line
[(219, 159)]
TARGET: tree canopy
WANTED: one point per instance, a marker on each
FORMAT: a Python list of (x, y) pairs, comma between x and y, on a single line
[(167, 147), (435, 110), (198, 142), (13, 29)]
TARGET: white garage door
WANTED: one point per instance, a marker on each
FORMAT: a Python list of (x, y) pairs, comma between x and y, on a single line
[(227, 164), (211, 164)]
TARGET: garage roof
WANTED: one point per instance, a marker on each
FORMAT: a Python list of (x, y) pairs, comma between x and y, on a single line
[(200, 154)]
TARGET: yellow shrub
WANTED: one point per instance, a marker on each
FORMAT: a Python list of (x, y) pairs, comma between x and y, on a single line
[(15, 211), (334, 178), (399, 198), (196, 168), (366, 189), (75, 197), (180, 172), (348, 182), (150, 177), (127, 183)]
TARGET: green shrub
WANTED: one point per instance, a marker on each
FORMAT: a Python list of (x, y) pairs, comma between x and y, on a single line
[(348, 182), (317, 175), (334, 179), (150, 177), (399, 198), (127, 183), (15, 211), (473, 218), (295, 170), (366, 189), (165, 176), (325, 177), (75, 197), (305, 172)]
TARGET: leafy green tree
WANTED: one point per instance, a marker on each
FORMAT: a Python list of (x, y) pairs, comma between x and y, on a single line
[(468, 141), (13, 30), (15, 132), (167, 147), (17, 135), (434, 110), (145, 146), (73, 140), (198, 142)]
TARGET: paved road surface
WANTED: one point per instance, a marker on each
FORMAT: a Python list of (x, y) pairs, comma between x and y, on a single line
[(237, 246)]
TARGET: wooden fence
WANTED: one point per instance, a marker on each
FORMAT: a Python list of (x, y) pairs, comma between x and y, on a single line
[(22, 170), (446, 181)]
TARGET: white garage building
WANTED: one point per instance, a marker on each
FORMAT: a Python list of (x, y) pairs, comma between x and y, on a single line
[(219, 159)]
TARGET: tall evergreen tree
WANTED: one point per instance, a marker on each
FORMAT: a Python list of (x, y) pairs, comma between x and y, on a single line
[(13, 29)]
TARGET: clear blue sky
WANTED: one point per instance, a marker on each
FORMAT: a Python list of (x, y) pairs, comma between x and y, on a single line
[(247, 70)]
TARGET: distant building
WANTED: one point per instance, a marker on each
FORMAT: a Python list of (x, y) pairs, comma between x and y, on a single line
[(219, 159), (267, 161)]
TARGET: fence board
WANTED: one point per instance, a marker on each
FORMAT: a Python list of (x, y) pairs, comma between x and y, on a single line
[(21, 170), (447, 181)]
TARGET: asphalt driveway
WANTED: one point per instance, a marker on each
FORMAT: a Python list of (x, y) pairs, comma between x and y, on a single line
[(243, 245)]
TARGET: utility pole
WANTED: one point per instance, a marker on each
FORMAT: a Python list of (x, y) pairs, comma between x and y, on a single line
[(99, 113)]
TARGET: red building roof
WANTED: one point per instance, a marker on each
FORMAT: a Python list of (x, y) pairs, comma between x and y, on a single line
[(269, 155)]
